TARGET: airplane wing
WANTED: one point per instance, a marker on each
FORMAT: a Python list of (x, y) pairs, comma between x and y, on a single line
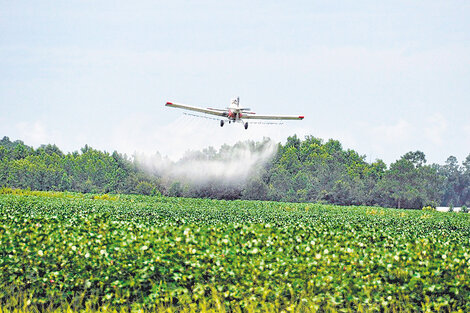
[(272, 117), (217, 112)]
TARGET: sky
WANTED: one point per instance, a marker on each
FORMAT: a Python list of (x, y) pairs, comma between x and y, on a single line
[(383, 77)]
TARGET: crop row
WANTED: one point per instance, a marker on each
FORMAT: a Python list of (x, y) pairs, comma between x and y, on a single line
[(151, 250)]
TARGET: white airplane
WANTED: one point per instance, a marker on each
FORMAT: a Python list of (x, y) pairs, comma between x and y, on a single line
[(234, 113)]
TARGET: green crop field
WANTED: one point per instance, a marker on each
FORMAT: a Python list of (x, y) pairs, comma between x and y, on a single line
[(160, 253)]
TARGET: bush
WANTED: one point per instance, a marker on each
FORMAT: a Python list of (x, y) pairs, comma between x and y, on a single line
[(176, 190), (429, 208), (144, 188), (464, 209), (105, 197)]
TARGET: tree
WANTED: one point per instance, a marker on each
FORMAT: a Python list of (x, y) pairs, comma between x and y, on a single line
[(455, 188), (255, 189), (301, 170), (49, 150), (176, 190), (410, 183), (20, 151), (417, 158), (145, 188), (3, 153), (465, 182)]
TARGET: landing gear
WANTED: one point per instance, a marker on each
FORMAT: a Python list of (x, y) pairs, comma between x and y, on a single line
[(246, 125), (221, 123)]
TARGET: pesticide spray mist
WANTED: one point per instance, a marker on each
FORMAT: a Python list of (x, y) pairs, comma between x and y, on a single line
[(230, 165)]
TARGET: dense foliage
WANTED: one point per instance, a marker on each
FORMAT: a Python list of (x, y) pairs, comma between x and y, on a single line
[(308, 170), (123, 250), (89, 170), (311, 170)]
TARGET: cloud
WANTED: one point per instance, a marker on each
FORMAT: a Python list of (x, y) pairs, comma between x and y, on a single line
[(466, 134), (33, 133), (395, 133), (429, 133), (435, 128)]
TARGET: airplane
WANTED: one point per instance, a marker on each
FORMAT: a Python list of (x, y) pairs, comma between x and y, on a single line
[(234, 113)]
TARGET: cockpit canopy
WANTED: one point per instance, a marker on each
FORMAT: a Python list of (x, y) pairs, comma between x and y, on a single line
[(235, 101)]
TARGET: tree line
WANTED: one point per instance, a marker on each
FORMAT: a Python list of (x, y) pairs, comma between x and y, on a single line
[(308, 170)]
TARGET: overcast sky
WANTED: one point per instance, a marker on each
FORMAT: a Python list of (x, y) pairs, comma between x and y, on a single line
[(384, 78)]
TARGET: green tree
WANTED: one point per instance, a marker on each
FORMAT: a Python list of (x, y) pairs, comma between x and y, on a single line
[(255, 189), (176, 190), (145, 188), (410, 183)]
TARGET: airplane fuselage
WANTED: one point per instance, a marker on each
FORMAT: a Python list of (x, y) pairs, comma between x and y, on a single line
[(234, 112)]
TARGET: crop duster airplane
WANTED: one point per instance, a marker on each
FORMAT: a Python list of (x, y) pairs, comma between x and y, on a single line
[(234, 113)]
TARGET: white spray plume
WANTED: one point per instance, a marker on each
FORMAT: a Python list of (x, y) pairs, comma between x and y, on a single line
[(230, 165)]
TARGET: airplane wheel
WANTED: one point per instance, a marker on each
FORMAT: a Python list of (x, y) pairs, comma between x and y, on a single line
[(246, 125), (221, 123)]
